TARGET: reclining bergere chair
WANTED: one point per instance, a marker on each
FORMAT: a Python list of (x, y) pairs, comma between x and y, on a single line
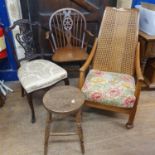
[(34, 72), (114, 82)]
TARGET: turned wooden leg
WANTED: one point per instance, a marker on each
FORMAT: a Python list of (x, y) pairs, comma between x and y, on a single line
[(47, 132), (22, 92), (130, 124), (66, 81), (80, 131), (2, 100), (29, 97), (144, 62)]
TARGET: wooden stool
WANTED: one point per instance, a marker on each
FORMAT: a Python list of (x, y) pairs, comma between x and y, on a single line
[(63, 100)]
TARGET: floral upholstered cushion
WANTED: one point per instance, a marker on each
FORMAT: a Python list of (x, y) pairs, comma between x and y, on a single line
[(110, 88), (38, 74)]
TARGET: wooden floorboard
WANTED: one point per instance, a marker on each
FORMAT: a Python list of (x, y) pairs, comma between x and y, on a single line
[(104, 132)]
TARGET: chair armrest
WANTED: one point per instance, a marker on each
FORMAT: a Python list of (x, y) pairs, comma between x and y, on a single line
[(47, 35), (88, 39), (90, 57), (86, 64), (90, 33), (139, 74), (49, 38)]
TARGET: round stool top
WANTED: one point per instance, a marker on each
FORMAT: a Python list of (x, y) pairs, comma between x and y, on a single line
[(63, 99)]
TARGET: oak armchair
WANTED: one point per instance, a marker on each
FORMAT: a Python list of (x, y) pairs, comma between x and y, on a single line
[(114, 81), (68, 36)]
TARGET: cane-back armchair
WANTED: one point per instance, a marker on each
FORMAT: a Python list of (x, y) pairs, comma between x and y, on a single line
[(67, 35), (34, 72), (114, 81)]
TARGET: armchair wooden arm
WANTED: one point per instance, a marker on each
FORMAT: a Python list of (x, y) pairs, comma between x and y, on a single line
[(90, 33), (139, 75), (86, 64), (138, 68), (89, 37), (47, 35)]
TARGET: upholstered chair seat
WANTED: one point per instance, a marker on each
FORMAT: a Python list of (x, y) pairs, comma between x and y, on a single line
[(38, 74), (110, 88)]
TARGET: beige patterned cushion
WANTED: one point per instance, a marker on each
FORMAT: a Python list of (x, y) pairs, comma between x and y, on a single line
[(38, 74)]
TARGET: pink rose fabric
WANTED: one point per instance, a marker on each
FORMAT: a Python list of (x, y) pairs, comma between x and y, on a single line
[(129, 101), (110, 88), (97, 96), (114, 92), (98, 73)]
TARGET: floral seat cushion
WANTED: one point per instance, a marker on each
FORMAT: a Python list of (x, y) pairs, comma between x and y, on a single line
[(40, 73), (110, 88)]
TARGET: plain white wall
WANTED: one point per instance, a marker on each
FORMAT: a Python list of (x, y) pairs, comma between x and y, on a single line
[(124, 3), (14, 11)]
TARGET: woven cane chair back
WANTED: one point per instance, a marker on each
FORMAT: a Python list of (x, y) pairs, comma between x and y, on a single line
[(117, 41), (67, 27)]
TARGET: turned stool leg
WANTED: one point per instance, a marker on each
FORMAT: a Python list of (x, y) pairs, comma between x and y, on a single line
[(47, 132), (2, 100), (79, 130)]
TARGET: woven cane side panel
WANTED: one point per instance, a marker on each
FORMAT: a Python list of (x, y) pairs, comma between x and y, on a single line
[(117, 41)]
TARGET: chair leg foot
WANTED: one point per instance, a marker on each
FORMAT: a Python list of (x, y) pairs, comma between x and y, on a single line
[(22, 92), (33, 118), (129, 126), (2, 100), (66, 81)]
